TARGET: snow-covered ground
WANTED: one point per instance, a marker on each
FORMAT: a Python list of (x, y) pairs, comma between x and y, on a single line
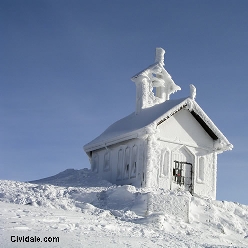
[(77, 209)]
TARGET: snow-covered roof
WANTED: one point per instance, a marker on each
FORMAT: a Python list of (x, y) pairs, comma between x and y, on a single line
[(159, 62), (154, 66), (133, 126)]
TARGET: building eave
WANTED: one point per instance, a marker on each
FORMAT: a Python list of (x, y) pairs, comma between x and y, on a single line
[(114, 140)]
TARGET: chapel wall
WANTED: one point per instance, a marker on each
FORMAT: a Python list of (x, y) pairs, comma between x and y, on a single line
[(204, 168), (122, 163), (205, 176), (182, 131)]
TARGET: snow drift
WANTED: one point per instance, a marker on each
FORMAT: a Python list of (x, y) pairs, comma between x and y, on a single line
[(169, 218)]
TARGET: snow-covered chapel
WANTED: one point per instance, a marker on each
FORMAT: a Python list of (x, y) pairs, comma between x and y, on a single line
[(165, 143)]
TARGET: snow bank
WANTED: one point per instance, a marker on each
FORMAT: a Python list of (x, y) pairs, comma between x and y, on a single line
[(74, 178), (224, 217), (174, 203), (194, 221)]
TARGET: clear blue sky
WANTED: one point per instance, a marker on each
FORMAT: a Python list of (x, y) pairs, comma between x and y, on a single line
[(66, 68)]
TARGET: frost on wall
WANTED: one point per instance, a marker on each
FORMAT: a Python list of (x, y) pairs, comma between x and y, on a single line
[(214, 175), (127, 163), (174, 203), (134, 162), (206, 174), (153, 161), (154, 78), (119, 165), (95, 163), (192, 91), (106, 165)]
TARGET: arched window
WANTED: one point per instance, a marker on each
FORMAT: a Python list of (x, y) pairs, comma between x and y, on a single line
[(127, 163), (95, 163), (134, 161), (106, 165), (164, 165), (201, 169), (120, 164)]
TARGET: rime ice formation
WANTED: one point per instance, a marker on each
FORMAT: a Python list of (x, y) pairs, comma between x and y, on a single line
[(159, 55), (168, 144), (192, 92), (155, 76)]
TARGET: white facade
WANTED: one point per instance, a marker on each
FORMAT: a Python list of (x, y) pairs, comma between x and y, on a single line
[(182, 138), (164, 144)]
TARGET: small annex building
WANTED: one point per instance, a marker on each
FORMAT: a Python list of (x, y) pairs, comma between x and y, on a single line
[(164, 144)]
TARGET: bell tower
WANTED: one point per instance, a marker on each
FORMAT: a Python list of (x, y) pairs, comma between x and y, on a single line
[(154, 76)]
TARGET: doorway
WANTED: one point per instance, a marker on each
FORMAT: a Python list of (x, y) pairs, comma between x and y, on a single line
[(182, 174)]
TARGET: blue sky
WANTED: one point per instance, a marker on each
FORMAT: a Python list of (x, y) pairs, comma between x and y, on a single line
[(66, 68)]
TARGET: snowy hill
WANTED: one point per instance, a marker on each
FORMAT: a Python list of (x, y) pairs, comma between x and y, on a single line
[(77, 209)]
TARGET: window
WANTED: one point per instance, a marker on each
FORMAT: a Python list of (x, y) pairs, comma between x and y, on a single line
[(201, 169), (106, 165), (154, 91), (127, 163), (94, 163), (134, 161), (164, 165), (120, 164)]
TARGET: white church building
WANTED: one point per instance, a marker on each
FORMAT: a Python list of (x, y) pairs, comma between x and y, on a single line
[(165, 143)]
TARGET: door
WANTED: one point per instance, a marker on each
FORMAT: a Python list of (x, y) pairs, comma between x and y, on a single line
[(183, 175), (182, 170)]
